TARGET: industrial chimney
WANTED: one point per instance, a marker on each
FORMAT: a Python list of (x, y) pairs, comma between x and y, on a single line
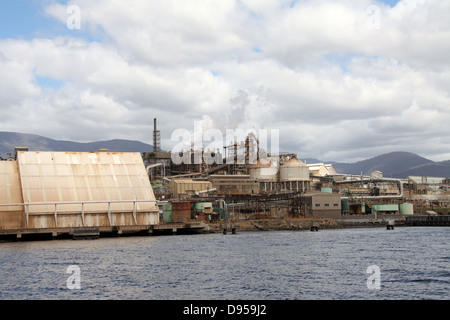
[(156, 137)]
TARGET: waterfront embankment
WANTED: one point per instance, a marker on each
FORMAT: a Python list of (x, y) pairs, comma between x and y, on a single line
[(283, 224)]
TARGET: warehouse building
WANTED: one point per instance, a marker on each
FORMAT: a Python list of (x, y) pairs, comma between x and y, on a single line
[(322, 169), (234, 184), (183, 188), (46, 190)]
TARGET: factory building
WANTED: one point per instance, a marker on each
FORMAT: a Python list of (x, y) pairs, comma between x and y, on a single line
[(46, 190), (426, 185), (234, 184), (323, 205), (182, 188), (321, 169)]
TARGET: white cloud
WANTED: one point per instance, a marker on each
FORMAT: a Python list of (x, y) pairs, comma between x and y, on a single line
[(337, 87)]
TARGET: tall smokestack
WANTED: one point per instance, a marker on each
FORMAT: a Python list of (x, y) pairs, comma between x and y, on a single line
[(155, 144), (156, 137)]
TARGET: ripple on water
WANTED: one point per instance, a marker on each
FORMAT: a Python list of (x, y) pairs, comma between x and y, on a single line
[(330, 264)]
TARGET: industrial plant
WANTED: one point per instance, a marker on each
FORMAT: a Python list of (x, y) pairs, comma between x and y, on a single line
[(292, 188), (88, 194)]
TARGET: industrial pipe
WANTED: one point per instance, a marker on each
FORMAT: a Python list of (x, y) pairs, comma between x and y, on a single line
[(398, 181)]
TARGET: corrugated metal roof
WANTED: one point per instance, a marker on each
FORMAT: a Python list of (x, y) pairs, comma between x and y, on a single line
[(293, 162), (79, 176), (261, 164), (426, 180), (189, 181)]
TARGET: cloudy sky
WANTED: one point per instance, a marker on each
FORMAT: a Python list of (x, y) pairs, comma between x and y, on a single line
[(341, 80)]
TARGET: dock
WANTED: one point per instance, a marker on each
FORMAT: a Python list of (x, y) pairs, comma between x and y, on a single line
[(426, 220), (229, 226), (101, 232)]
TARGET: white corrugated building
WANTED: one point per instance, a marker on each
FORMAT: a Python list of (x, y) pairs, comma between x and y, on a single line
[(76, 189), (321, 169)]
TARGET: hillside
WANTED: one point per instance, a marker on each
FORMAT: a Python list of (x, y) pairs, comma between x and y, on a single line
[(9, 140), (397, 164), (435, 169), (394, 164)]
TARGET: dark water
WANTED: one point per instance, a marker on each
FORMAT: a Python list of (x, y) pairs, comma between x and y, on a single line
[(414, 263)]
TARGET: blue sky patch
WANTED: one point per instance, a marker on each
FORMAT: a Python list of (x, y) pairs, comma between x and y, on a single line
[(390, 3), (215, 73), (26, 19), (341, 59), (48, 83)]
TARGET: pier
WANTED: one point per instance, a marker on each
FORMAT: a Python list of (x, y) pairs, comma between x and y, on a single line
[(101, 232), (425, 220), (314, 226), (229, 226), (390, 225)]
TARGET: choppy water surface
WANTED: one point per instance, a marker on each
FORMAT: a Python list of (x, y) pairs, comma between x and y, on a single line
[(414, 263)]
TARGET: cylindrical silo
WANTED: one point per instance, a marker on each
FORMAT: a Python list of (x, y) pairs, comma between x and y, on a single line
[(406, 208), (345, 206), (294, 170), (263, 171)]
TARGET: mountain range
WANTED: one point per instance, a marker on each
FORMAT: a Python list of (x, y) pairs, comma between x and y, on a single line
[(394, 164), (9, 140), (397, 165)]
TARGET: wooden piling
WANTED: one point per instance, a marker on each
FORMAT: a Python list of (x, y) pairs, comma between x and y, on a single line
[(390, 225), (314, 226)]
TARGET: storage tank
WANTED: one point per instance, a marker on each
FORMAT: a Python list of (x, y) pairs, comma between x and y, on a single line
[(406, 208), (167, 212), (345, 206), (262, 170), (294, 170)]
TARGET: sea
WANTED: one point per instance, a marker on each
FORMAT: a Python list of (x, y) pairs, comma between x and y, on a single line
[(407, 263)]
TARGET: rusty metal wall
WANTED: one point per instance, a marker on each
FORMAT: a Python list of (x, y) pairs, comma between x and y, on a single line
[(181, 211), (11, 217)]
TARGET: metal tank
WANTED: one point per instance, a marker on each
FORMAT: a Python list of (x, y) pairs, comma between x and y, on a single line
[(262, 170), (345, 206), (406, 208), (167, 212), (294, 170)]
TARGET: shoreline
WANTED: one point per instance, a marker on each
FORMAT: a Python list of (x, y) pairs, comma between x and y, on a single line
[(286, 224), (275, 224)]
